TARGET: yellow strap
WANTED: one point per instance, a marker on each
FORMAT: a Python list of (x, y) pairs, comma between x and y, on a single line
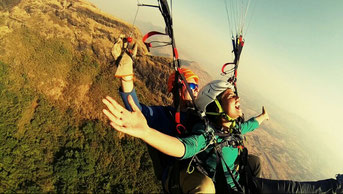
[(233, 124), (221, 111), (213, 113), (219, 106), (188, 168)]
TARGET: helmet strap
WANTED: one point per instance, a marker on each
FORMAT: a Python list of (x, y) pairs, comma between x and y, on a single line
[(222, 114)]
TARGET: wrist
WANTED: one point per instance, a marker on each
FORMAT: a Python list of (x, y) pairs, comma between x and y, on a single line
[(148, 132)]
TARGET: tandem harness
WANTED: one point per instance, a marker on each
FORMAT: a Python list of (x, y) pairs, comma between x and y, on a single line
[(233, 139)]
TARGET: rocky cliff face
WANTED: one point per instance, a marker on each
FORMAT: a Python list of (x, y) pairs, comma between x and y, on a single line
[(50, 41), (85, 26)]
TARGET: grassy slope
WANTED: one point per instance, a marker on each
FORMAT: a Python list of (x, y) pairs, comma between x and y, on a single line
[(63, 144)]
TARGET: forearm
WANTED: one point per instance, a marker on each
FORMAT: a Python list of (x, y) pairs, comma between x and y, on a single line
[(260, 118), (164, 143)]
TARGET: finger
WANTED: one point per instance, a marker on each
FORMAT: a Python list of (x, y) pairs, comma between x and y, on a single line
[(134, 51), (113, 109), (118, 127), (112, 118), (132, 104), (125, 45), (116, 104)]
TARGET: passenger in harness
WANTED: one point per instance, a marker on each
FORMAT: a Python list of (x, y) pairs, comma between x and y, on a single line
[(216, 145)]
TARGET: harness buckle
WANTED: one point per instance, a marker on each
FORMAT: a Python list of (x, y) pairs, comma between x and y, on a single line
[(180, 129)]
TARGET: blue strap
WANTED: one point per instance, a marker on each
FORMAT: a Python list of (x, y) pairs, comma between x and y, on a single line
[(124, 96)]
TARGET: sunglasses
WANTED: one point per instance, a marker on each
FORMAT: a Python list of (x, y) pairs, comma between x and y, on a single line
[(193, 86)]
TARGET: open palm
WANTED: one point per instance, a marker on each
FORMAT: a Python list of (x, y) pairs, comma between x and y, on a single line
[(131, 123)]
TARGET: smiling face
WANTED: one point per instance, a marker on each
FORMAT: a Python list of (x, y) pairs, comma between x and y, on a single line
[(231, 104)]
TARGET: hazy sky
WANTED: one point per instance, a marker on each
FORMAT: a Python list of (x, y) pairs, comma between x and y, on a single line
[(292, 55)]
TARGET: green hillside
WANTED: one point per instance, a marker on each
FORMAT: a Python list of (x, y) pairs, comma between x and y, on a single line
[(53, 135)]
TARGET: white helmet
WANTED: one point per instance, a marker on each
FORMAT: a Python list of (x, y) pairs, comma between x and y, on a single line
[(209, 92)]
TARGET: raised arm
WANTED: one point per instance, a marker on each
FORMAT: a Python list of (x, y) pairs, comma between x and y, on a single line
[(255, 122), (124, 52), (134, 124)]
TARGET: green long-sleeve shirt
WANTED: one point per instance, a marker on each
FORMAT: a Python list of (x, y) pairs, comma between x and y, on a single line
[(195, 143)]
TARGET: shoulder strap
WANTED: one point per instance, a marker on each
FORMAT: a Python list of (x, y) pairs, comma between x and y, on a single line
[(180, 129), (220, 171), (245, 172)]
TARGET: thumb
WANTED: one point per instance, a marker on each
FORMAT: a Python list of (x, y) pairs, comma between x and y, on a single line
[(125, 45), (132, 103)]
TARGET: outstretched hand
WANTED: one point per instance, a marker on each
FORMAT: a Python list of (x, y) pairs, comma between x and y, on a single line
[(131, 123), (265, 114)]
